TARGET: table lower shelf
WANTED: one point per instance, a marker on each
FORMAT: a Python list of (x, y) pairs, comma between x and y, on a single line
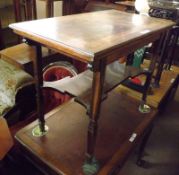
[(62, 149)]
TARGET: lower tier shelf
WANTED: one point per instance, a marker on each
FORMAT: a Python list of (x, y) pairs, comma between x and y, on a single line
[(62, 149), (80, 86)]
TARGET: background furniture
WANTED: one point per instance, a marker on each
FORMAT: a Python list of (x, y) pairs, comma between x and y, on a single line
[(167, 53), (94, 5), (21, 55), (16, 93)]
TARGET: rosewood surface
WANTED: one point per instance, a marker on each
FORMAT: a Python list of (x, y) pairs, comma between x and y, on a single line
[(62, 149), (95, 35)]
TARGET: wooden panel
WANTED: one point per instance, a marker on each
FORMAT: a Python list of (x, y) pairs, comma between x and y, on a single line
[(89, 35), (62, 149), (20, 54), (5, 138)]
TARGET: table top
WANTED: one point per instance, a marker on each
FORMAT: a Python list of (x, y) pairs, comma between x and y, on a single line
[(95, 35), (62, 149)]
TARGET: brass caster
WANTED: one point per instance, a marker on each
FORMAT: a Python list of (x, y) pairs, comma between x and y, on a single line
[(91, 167), (36, 132), (143, 108)]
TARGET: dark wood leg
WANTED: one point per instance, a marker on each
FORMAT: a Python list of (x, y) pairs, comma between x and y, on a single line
[(144, 108), (67, 7), (146, 87), (91, 165), (155, 53), (34, 9), (39, 96), (174, 38), (142, 146), (49, 8), (162, 60), (17, 11)]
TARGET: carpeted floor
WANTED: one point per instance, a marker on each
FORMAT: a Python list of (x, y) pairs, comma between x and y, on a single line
[(162, 151)]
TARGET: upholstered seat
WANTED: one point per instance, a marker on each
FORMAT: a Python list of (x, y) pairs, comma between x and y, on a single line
[(12, 79), (56, 72)]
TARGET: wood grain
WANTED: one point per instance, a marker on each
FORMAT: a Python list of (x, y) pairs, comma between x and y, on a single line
[(21, 54), (96, 34), (5, 138), (62, 150)]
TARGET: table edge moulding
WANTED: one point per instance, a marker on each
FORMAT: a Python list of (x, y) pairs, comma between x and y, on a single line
[(88, 54), (98, 38)]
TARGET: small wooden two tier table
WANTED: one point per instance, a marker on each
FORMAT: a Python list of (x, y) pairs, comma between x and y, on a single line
[(98, 38)]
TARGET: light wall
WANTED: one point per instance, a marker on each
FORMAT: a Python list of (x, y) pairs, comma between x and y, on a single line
[(41, 8)]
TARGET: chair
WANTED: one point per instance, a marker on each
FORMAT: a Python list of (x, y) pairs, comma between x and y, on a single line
[(23, 54), (167, 53), (17, 93), (68, 7), (28, 7), (136, 60), (174, 36)]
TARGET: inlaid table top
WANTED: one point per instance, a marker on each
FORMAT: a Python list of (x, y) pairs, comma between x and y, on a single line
[(90, 36)]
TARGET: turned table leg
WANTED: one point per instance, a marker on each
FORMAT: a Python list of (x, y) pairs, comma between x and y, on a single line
[(91, 165), (42, 128)]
